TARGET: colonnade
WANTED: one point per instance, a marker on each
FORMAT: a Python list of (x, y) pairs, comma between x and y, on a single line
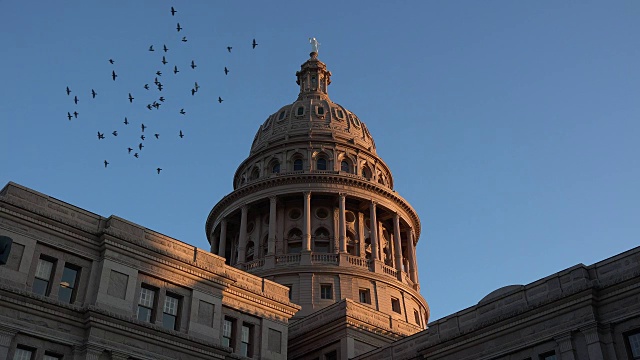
[(218, 243)]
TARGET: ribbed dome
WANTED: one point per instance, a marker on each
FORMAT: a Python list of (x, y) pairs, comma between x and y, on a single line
[(313, 115)]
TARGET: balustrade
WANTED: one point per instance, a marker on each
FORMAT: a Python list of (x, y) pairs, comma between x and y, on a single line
[(324, 258), (288, 259)]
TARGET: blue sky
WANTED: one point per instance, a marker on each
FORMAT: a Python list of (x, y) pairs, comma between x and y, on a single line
[(511, 127)]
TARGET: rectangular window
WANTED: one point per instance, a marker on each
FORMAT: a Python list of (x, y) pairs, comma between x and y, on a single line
[(170, 312), (326, 291), (68, 284), (245, 340), (365, 296), (395, 305), (146, 304), (548, 356), (416, 316), (228, 325), (51, 356), (633, 341), (44, 275), (23, 354), (331, 356)]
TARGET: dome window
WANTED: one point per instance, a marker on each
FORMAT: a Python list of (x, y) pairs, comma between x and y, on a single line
[(349, 217), (321, 164), (275, 169), (300, 111), (322, 213), (297, 165), (320, 110), (255, 174), (366, 173), (295, 214), (344, 166), (340, 114), (281, 115)]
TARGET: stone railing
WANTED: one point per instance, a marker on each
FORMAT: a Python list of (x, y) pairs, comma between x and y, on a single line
[(389, 270), (324, 258), (359, 262), (255, 264), (288, 259)]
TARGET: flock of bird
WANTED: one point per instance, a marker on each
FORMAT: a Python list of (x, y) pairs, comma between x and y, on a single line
[(156, 104)]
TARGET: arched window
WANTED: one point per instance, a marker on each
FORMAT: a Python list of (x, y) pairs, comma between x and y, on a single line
[(300, 111), (344, 166), (275, 168), (294, 241), (250, 251), (255, 174), (321, 240), (366, 172), (321, 164), (297, 165), (352, 244)]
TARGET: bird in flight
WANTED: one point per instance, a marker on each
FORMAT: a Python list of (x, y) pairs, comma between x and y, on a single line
[(229, 48), (182, 111), (115, 133), (151, 48), (130, 150), (135, 155), (131, 98), (68, 91), (226, 71), (113, 75), (126, 122), (158, 169), (164, 61), (197, 87), (157, 136), (141, 138), (75, 99), (184, 39), (75, 114), (69, 116), (156, 105), (146, 86), (193, 64), (165, 48), (220, 100), (181, 134), (193, 92), (100, 135), (105, 164), (161, 98), (111, 61), (140, 146), (175, 69), (159, 73), (155, 81), (143, 127), (93, 93), (149, 106), (159, 87), (178, 27), (254, 44), (173, 11)]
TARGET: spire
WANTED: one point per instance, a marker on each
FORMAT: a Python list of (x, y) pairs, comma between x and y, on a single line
[(313, 77)]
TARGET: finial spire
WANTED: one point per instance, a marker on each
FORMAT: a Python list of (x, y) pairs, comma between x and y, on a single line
[(314, 46)]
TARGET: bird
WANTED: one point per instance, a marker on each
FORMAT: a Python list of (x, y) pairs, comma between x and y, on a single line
[(181, 134), (197, 87), (113, 75), (178, 27), (130, 150), (68, 91), (254, 44), (146, 86), (175, 69), (130, 98), (184, 39), (111, 61), (193, 92), (106, 163), (155, 81), (226, 71), (157, 136), (75, 114), (143, 127), (220, 100), (69, 116), (115, 133), (161, 98), (126, 122), (158, 169), (93, 93), (75, 99), (159, 73), (100, 135), (142, 138), (159, 87), (229, 48), (193, 64), (151, 48), (135, 155), (165, 48), (173, 11), (149, 106), (164, 61), (182, 111), (140, 146), (156, 105)]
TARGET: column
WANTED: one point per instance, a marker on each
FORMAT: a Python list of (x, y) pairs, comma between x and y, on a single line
[(271, 249), (594, 346), (6, 336), (223, 237), (412, 256), (566, 346), (214, 243), (306, 241), (342, 223), (397, 246), (242, 241), (373, 227)]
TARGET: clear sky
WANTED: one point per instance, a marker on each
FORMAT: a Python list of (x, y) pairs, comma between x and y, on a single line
[(512, 127)]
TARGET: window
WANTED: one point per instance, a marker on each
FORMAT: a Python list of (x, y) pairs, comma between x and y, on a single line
[(294, 241), (331, 356), (275, 169), (281, 116), (23, 353), (326, 291), (300, 111), (51, 356), (297, 165), (245, 340), (548, 356), (321, 240), (365, 296), (44, 275), (227, 331), (321, 164), (366, 173), (68, 285), (320, 110), (146, 304), (416, 316), (634, 344), (255, 174), (344, 166), (395, 305), (170, 312)]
